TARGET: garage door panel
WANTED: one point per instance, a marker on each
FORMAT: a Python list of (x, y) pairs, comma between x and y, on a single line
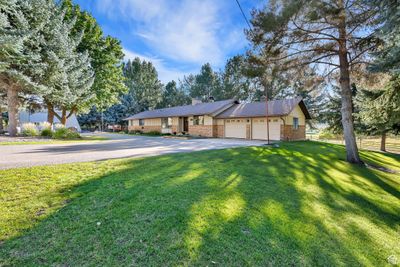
[(259, 129), (235, 128)]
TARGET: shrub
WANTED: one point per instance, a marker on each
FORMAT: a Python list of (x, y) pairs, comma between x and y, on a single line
[(136, 132), (44, 125), (29, 129), (47, 132), (153, 133), (64, 133), (58, 126)]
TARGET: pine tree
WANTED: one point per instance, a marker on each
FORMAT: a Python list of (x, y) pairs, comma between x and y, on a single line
[(234, 82), (331, 35), (380, 110), (388, 53), (145, 89), (173, 96), (206, 84)]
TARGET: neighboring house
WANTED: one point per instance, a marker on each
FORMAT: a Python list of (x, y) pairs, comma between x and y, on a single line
[(41, 116), (228, 119)]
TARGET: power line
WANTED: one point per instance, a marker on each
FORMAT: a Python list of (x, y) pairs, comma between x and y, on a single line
[(244, 15), (266, 94)]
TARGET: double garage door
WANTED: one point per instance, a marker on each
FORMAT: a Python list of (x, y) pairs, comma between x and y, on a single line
[(236, 128)]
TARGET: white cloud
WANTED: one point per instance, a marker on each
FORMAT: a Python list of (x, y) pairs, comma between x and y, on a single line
[(165, 74), (188, 31)]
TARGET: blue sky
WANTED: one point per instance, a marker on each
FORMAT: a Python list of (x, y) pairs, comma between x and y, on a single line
[(178, 36)]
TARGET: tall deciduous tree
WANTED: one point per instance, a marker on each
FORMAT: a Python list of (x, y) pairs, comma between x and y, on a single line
[(333, 35)]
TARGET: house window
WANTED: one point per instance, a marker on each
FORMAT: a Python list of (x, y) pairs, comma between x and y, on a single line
[(166, 123), (141, 122), (198, 120), (295, 123)]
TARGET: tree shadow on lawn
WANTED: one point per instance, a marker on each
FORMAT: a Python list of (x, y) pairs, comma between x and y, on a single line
[(246, 206)]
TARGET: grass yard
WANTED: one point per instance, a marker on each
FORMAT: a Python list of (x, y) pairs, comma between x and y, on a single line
[(297, 205)]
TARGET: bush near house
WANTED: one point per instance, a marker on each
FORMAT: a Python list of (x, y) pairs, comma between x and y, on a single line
[(64, 133), (46, 132), (29, 129)]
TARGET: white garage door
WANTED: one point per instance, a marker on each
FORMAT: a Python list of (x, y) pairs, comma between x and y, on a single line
[(235, 128), (259, 129)]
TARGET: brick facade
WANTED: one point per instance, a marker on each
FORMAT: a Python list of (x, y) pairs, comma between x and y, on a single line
[(288, 133), (218, 131), (144, 129), (201, 130)]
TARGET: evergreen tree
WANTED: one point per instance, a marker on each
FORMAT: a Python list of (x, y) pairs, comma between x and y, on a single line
[(21, 64), (145, 89), (105, 57), (235, 84), (380, 110), (69, 73), (173, 96), (206, 84), (388, 53), (331, 35)]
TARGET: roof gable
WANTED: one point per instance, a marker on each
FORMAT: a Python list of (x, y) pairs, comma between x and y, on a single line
[(211, 108), (259, 109)]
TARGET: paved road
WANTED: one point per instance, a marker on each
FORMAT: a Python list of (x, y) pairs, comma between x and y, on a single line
[(119, 146)]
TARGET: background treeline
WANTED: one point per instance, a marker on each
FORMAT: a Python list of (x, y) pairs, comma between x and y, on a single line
[(145, 91)]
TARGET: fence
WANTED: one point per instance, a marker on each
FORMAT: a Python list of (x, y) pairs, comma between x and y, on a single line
[(364, 142)]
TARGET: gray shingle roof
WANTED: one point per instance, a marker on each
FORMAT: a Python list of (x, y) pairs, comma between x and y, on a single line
[(211, 108), (258, 109)]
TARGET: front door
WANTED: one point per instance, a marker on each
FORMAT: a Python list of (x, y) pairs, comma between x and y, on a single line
[(186, 124)]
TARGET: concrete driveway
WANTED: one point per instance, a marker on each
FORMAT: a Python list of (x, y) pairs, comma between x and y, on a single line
[(119, 146)]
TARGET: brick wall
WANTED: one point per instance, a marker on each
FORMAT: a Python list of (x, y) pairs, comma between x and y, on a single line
[(201, 130), (288, 133), (218, 131), (144, 129)]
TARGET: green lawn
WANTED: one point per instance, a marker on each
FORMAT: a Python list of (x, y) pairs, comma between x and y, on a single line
[(55, 141), (297, 205)]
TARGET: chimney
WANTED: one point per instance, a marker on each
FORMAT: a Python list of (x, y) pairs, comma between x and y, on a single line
[(196, 101)]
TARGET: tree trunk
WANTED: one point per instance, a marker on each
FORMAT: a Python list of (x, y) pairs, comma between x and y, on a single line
[(12, 103), (1, 121), (352, 155), (383, 142), (63, 117), (50, 113)]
